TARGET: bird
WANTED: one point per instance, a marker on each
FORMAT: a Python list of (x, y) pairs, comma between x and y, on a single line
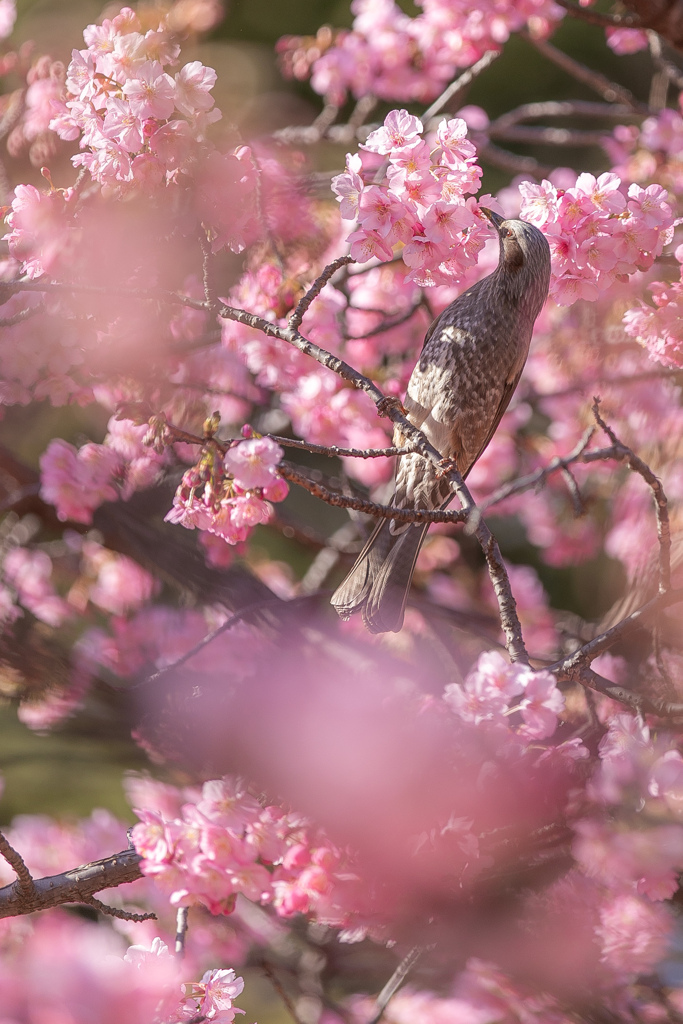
[(471, 362)]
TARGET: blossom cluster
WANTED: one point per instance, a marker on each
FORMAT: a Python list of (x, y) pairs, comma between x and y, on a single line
[(419, 200), (490, 688), (135, 122), (227, 494), (139, 130), (597, 235), (224, 842), (416, 204), (398, 57), (77, 481), (72, 971), (660, 327)]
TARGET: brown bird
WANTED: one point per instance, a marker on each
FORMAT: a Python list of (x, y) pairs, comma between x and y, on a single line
[(471, 362)]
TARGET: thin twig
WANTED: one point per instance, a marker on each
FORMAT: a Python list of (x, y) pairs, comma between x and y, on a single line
[(460, 84), (204, 642), (16, 862), (513, 162), (395, 982), (559, 108), (386, 325), (181, 931), (122, 915), (639, 703), (661, 504), (283, 994), (574, 492), (548, 136), (598, 18), (610, 91), (567, 667), (525, 483), (335, 450), (316, 288), (371, 508)]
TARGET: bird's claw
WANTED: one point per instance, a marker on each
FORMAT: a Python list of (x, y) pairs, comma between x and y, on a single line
[(390, 402), (447, 466)]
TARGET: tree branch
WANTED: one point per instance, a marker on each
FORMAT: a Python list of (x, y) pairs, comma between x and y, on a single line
[(315, 289), (636, 464), (610, 91), (598, 18), (24, 881), (335, 450), (75, 886)]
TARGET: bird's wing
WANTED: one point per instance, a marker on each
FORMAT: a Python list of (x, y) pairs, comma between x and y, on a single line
[(508, 391)]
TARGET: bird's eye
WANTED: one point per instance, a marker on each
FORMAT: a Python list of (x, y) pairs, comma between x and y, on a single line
[(509, 233)]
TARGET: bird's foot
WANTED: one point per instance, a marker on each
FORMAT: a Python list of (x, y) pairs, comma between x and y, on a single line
[(390, 402), (447, 466)]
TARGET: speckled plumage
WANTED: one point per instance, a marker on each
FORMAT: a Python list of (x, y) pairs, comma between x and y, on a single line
[(471, 362)]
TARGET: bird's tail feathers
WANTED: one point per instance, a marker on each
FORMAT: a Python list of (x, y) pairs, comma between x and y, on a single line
[(379, 582)]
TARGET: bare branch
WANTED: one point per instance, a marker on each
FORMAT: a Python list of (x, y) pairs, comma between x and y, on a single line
[(654, 483), (610, 91), (75, 886), (525, 483), (560, 108), (395, 982), (122, 915), (283, 994), (548, 136), (673, 73), (387, 325), (16, 862), (316, 288), (335, 450), (181, 931), (207, 271), (371, 508), (460, 84), (567, 667), (507, 161), (597, 18)]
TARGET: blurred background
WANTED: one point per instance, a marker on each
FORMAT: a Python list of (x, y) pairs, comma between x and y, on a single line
[(79, 766)]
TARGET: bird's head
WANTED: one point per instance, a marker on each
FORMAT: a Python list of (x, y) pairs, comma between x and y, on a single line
[(524, 255)]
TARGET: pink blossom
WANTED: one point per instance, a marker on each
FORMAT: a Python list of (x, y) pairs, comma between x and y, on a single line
[(151, 93), (123, 126), (666, 780), (626, 40), (487, 690), (634, 934), (541, 704), (8, 15), (77, 481), (253, 463), (30, 573), (349, 186), (220, 987), (539, 202), (400, 129), (368, 244), (193, 84), (40, 235)]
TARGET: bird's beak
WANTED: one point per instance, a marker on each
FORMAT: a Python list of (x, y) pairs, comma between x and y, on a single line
[(495, 218)]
